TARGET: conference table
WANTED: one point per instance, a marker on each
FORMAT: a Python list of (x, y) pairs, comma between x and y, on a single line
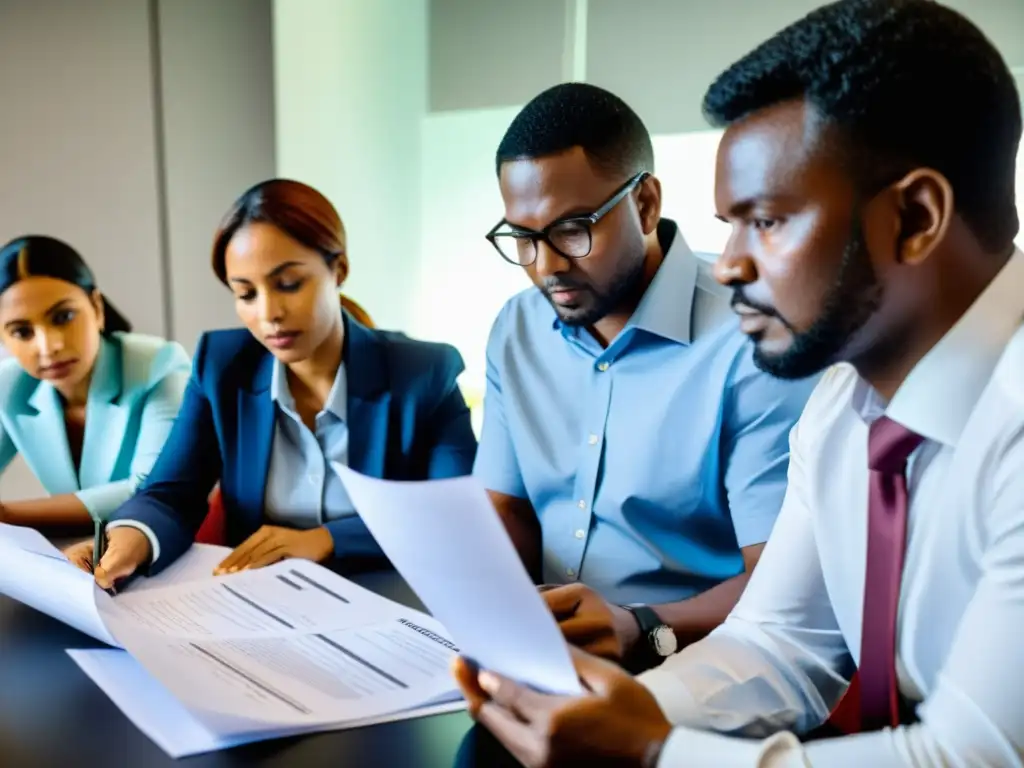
[(52, 714)]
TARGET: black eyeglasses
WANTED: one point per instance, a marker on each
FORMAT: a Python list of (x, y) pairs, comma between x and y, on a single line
[(570, 236)]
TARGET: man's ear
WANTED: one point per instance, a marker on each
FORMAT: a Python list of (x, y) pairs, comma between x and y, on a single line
[(648, 203), (926, 208)]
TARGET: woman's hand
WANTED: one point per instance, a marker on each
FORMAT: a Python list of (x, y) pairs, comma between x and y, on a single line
[(81, 554), (272, 543), (127, 549)]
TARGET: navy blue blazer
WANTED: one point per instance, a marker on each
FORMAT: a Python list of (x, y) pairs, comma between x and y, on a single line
[(406, 417)]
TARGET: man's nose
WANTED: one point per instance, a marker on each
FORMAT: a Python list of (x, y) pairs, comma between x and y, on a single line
[(735, 266), (549, 261)]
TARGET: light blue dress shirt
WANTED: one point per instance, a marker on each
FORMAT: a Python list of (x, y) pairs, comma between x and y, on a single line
[(649, 463), (302, 491)]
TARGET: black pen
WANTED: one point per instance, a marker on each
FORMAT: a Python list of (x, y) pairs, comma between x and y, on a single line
[(99, 548), (98, 540)]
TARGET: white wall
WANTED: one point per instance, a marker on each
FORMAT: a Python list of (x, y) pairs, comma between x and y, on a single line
[(78, 146), (351, 85), (216, 105), (129, 135), (461, 281)]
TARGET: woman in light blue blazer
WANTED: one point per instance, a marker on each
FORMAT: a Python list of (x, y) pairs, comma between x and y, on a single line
[(86, 403)]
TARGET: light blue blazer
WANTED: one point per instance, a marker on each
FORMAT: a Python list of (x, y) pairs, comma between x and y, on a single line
[(136, 390)]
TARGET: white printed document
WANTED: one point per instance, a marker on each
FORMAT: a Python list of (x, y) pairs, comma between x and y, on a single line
[(289, 648), (170, 724), (447, 541), (34, 572)]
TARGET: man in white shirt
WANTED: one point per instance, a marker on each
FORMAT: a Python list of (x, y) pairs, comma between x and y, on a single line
[(867, 171)]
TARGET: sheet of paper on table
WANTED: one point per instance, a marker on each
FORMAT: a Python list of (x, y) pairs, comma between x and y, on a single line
[(170, 725), (288, 648), (445, 538), (33, 571)]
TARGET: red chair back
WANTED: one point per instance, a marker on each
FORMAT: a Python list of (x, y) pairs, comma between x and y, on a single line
[(214, 527)]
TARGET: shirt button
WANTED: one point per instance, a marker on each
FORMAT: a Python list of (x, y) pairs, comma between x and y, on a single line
[(602, 366), (592, 439), (570, 573), (314, 479), (580, 533), (581, 504)]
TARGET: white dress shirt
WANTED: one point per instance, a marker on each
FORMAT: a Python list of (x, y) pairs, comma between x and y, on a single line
[(782, 660)]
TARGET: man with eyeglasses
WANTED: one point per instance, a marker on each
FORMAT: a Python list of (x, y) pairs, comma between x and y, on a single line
[(636, 455)]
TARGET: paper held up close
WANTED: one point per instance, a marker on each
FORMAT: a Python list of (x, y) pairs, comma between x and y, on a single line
[(445, 538)]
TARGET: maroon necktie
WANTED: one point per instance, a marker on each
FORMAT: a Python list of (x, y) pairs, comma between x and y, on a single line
[(889, 447)]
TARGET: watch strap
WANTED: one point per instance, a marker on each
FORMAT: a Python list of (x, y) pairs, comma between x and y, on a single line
[(646, 618)]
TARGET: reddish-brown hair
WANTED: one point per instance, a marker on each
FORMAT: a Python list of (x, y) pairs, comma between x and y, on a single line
[(300, 212)]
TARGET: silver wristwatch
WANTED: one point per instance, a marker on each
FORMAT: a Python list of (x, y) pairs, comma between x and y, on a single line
[(659, 636)]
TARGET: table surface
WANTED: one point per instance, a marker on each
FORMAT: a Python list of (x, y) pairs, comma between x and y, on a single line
[(52, 714)]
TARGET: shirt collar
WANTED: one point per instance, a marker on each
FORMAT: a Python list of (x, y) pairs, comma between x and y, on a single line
[(667, 304), (337, 398), (939, 394)]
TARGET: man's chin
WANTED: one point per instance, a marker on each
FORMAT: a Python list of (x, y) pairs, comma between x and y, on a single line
[(575, 317), (789, 363)]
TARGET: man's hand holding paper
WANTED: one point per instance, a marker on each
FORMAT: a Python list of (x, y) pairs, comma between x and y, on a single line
[(589, 622), (616, 722)]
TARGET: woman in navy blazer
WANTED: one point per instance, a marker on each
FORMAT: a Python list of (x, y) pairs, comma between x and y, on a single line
[(269, 408)]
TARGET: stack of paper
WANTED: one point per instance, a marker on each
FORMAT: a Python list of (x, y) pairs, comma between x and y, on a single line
[(294, 648), (287, 649)]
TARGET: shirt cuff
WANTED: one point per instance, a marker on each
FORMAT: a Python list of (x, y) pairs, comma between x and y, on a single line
[(154, 543), (672, 695), (499, 476), (755, 529), (688, 748)]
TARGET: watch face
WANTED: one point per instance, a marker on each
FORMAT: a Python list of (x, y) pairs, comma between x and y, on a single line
[(664, 641)]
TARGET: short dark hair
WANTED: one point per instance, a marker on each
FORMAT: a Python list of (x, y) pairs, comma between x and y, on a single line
[(43, 256), (568, 115), (908, 83)]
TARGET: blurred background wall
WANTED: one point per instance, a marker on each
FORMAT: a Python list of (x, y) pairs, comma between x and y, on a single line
[(129, 126)]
